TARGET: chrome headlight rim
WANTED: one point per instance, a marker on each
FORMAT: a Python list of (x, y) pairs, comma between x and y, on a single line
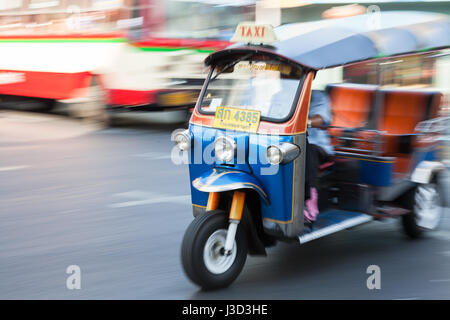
[(287, 153), (224, 140), (182, 140)]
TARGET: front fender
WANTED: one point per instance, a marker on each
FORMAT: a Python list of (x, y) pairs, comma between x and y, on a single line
[(423, 173), (220, 180)]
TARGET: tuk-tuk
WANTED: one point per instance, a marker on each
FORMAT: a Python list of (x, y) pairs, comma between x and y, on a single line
[(247, 137)]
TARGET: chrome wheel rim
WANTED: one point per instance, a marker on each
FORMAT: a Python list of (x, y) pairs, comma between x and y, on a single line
[(213, 253), (427, 207)]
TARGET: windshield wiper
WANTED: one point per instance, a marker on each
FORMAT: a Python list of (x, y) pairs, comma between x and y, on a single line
[(231, 64)]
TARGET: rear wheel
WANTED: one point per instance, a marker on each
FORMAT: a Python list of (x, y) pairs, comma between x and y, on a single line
[(202, 252), (92, 108), (426, 210)]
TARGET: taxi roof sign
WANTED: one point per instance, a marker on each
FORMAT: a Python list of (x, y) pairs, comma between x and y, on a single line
[(249, 32)]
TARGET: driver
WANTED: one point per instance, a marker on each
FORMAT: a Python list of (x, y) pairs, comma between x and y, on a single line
[(318, 150)]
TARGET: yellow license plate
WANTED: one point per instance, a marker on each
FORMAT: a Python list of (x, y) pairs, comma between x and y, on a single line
[(237, 119), (176, 98)]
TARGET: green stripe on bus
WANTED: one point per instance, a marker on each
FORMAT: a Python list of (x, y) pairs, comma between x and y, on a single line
[(61, 40), (166, 49), (104, 40)]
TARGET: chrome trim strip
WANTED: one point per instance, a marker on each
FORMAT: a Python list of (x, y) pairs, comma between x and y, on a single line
[(334, 228), (232, 186)]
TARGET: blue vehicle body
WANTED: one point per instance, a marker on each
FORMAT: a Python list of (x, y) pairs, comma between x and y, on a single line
[(250, 170)]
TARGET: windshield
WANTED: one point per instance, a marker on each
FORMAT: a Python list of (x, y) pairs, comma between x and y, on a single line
[(267, 86)]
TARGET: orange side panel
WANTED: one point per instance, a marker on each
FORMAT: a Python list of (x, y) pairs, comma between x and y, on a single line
[(402, 164), (390, 143)]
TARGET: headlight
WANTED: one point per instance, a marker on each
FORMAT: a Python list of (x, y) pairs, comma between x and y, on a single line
[(224, 148), (182, 139), (283, 153), (274, 155)]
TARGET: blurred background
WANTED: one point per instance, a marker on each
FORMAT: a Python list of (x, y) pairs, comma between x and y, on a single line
[(90, 91)]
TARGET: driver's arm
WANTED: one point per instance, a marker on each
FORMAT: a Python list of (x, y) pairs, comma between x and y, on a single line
[(319, 110), (317, 121)]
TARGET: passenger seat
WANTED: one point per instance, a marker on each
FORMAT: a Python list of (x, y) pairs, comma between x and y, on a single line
[(351, 107), (401, 111)]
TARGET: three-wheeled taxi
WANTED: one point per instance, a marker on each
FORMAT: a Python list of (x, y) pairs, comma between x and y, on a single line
[(246, 141)]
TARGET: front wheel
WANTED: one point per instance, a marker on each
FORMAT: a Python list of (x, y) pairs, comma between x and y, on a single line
[(427, 209), (202, 251)]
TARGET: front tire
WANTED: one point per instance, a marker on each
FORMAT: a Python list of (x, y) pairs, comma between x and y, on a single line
[(426, 206), (202, 253)]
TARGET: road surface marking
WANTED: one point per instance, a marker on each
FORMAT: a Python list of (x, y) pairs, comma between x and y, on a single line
[(144, 198), (154, 155), (445, 253), (13, 168), (440, 280)]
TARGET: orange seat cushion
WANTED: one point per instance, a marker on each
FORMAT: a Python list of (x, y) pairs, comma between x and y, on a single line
[(350, 106), (402, 111)]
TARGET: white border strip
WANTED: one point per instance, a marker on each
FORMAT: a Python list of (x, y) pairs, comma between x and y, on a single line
[(13, 168), (335, 228)]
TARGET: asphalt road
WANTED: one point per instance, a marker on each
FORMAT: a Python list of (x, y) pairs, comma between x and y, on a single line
[(111, 202)]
